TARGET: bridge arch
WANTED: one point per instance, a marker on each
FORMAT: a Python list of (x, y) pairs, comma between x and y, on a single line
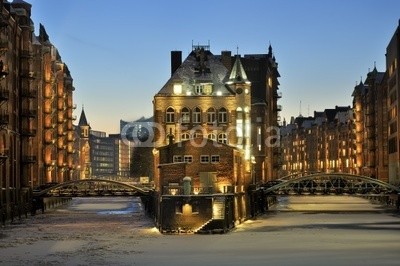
[(337, 183), (95, 184)]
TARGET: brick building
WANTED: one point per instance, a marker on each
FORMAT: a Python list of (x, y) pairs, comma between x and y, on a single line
[(36, 110), (211, 126), (322, 143)]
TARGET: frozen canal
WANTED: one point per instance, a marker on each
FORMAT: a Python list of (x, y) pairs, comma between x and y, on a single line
[(114, 231)]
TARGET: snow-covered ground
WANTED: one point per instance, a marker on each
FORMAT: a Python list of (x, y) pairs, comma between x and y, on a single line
[(114, 231)]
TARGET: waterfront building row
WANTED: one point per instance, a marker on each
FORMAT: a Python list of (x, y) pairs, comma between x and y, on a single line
[(36, 109), (365, 143)]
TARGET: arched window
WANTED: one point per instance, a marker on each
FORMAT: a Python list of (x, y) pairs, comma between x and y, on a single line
[(185, 136), (212, 136), (185, 115), (197, 115), (170, 115), (211, 115), (222, 115), (222, 138)]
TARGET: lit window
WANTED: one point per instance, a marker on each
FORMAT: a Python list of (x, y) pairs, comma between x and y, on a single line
[(204, 159), (222, 115), (188, 158), (170, 115), (185, 115), (197, 115), (214, 158), (211, 115), (212, 136), (177, 159), (185, 136), (207, 88), (222, 138), (198, 88), (177, 89)]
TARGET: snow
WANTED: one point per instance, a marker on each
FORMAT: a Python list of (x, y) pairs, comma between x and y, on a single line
[(325, 230)]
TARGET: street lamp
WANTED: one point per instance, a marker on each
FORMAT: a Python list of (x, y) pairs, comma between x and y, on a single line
[(253, 173)]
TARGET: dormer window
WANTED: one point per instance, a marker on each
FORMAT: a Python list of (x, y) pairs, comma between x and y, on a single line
[(203, 88), (198, 88), (177, 89)]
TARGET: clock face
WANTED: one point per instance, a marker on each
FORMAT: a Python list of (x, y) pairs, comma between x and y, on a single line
[(239, 90)]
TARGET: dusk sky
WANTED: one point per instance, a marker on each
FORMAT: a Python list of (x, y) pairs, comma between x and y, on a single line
[(118, 52)]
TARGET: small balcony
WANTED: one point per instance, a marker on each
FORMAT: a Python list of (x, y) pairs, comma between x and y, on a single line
[(278, 95), (49, 141), (50, 163), (49, 95), (278, 108)]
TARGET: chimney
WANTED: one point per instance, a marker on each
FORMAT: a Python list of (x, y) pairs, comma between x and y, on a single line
[(226, 59), (176, 60)]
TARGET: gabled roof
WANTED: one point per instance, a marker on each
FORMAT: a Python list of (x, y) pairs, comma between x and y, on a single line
[(201, 66), (82, 119), (238, 75)]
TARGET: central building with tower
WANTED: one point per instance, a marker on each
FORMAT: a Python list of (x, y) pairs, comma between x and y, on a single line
[(215, 133)]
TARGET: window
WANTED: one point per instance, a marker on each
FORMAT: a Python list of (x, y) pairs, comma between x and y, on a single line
[(185, 115), (222, 138), (214, 158), (198, 88), (204, 159), (222, 115), (170, 115), (185, 136), (208, 88), (177, 159), (197, 115), (197, 134), (211, 115), (188, 158), (177, 89), (212, 136)]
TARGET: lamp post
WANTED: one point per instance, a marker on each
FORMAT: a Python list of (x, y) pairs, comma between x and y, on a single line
[(253, 173)]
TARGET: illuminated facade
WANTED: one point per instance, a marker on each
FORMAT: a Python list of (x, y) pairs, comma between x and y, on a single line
[(214, 97), (393, 83), (371, 126), (36, 106), (209, 106), (323, 143), (56, 120), (83, 147)]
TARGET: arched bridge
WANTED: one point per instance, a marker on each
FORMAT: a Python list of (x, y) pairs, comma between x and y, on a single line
[(329, 183), (93, 187)]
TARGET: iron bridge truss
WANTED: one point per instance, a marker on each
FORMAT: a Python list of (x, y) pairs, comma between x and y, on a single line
[(93, 187), (330, 183)]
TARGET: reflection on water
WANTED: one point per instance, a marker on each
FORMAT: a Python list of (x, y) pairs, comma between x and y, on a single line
[(107, 205)]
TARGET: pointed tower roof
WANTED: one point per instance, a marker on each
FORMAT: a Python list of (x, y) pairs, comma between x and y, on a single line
[(238, 75), (82, 119)]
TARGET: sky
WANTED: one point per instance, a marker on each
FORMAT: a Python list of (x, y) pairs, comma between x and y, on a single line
[(118, 52)]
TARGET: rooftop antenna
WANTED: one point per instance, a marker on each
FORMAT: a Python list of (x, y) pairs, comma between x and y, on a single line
[(374, 64), (237, 50), (300, 110)]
